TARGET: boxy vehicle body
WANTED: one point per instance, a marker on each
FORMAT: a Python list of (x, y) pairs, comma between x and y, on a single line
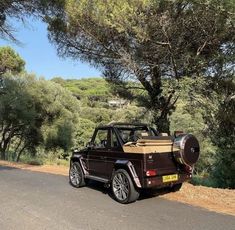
[(133, 157)]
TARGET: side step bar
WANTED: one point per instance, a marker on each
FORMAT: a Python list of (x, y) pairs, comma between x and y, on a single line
[(100, 179)]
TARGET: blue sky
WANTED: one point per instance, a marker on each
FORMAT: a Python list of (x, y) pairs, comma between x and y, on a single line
[(41, 56)]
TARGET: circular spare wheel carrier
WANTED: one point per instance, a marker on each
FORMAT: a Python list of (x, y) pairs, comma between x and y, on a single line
[(189, 149)]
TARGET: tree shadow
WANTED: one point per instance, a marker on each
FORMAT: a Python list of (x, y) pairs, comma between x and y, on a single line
[(98, 186), (151, 193), (144, 193), (3, 168)]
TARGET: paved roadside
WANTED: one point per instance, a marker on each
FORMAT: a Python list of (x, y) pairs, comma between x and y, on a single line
[(34, 200), (218, 200)]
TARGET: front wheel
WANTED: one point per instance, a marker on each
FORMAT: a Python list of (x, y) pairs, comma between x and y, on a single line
[(123, 188), (76, 176)]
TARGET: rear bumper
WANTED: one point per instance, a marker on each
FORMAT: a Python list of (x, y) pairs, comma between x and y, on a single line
[(156, 182)]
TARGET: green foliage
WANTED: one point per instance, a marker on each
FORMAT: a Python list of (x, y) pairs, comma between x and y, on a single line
[(54, 121), (17, 117), (224, 168), (204, 181), (192, 122), (90, 88), (9, 9), (224, 136), (94, 95), (85, 129), (49, 120), (10, 61), (22, 9), (145, 48), (32, 161), (147, 41), (36, 112), (208, 112)]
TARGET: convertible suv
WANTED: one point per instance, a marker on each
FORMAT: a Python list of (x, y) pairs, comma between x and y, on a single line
[(133, 157)]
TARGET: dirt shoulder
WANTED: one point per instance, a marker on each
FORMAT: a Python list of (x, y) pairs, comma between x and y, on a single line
[(213, 199), (53, 169)]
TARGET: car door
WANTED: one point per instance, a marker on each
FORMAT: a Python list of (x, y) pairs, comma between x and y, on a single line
[(98, 152), (115, 152)]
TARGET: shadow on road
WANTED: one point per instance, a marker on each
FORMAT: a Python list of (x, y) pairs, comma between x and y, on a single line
[(6, 168), (98, 186), (145, 194)]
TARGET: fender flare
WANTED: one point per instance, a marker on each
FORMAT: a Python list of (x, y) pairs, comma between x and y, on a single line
[(78, 158), (127, 164)]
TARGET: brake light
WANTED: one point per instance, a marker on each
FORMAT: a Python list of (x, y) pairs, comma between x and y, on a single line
[(152, 172)]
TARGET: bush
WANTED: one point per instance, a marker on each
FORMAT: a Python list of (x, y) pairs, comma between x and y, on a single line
[(204, 181), (31, 160), (35, 162)]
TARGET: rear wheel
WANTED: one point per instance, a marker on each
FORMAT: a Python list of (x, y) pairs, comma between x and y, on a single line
[(123, 188), (76, 176)]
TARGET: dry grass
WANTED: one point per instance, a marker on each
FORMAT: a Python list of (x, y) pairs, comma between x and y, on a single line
[(213, 199), (53, 169)]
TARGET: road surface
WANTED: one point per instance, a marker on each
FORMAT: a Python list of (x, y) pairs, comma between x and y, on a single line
[(41, 201)]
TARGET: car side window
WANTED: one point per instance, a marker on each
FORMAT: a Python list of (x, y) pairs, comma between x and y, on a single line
[(114, 140), (101, 138)]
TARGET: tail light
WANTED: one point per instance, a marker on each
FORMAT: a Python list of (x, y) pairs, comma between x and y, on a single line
[(152, 172)]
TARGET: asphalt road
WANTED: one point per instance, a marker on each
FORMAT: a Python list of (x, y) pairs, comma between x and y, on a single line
[(38, 201)]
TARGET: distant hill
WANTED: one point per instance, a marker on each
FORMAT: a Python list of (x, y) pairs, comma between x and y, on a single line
[(98, 103), (96, 88)]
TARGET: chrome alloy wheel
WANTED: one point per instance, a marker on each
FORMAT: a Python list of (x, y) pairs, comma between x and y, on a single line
[(75, 175), (121, 186)]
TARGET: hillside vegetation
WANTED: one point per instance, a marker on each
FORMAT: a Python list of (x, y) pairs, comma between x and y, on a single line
[(67, 111), (42, 121), (94, 96), (169, 63)]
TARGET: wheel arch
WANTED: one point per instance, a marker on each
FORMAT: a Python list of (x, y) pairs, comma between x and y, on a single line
[(129, 167), (78, 158)]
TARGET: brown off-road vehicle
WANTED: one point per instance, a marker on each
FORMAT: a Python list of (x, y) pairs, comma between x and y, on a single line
[(133, 157)]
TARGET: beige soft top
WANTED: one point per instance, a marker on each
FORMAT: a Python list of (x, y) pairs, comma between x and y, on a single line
[(145, 146)]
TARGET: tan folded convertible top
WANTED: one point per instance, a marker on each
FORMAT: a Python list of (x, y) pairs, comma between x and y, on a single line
[(145, 146)]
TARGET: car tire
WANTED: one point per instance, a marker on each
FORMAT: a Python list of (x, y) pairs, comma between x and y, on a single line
[(123, 188), (176, 187), (76, 175)]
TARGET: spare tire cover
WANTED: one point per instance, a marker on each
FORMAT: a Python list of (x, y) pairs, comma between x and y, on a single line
[(189, 149)]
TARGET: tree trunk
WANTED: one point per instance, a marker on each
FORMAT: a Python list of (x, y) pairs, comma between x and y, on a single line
[(3, 154), (4, 147), (20, 152), (163, 124)]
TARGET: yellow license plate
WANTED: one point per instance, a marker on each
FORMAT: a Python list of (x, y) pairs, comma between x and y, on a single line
[(169, 178)]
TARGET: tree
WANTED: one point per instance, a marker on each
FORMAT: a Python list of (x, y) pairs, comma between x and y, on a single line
[(20, 10), (222, 133), (148, 41), (211, 103), (10, 61), (189, 119), (17, 118), (35, 113), (10, 9)]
